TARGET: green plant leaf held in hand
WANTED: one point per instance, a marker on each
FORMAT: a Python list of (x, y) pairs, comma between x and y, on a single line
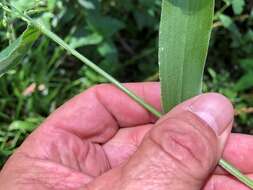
[(185, 30)]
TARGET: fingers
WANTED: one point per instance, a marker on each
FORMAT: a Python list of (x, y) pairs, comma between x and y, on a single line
[(182, 150), (239, 151), (72, 135), (97, 113), (124, 144), (126, 111), (220, 182), (24, 172)]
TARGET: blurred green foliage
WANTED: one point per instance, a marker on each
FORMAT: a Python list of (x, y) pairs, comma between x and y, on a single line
[(122, 38)]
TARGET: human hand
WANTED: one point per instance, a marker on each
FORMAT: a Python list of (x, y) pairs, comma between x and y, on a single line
[(102, 139)]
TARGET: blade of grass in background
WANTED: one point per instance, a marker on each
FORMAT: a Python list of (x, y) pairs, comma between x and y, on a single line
[(183, 43), (14, 53)]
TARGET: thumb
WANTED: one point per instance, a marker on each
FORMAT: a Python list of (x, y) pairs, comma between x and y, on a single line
[(183, 148)]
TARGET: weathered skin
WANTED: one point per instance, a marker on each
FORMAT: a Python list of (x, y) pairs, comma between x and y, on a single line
[(101, 139)]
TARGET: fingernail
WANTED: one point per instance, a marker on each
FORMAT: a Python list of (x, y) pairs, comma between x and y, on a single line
[(215, 110)]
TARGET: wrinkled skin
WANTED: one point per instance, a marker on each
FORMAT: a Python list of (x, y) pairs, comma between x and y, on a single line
[(95, 141)]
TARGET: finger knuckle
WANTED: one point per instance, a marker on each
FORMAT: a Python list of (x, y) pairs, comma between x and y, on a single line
[(185, 145)]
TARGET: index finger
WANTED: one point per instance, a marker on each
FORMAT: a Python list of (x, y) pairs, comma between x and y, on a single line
[(238, 152), (98, 112)]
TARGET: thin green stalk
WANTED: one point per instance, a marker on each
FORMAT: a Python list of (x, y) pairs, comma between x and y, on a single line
[(82, 58), (221, 10), (236, 173), (228, 167), (154, 77), (92, 65)]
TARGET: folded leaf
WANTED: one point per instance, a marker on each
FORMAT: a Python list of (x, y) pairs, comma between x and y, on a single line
[(14, 53), (184, 38)]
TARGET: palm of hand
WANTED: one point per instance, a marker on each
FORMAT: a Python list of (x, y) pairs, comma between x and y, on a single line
[(87, 141)]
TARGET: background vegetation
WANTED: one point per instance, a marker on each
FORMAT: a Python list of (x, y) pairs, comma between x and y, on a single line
[(122, 38)]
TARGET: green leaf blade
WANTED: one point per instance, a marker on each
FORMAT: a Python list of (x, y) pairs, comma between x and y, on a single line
[(184, 38), (14, 53)]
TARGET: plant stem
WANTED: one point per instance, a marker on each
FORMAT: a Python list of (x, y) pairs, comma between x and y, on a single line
[(154, 77), (228, 167), (92, 65), (227, 4), (82, 58), (236, 173)]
